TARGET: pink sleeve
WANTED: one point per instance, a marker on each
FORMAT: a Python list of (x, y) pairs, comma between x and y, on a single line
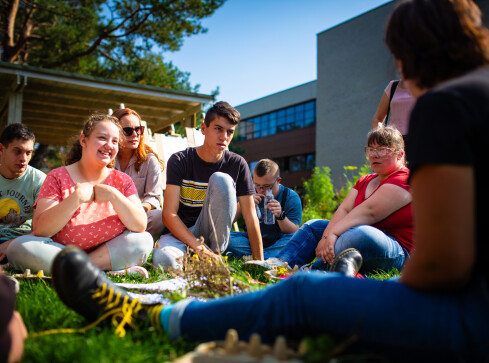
[(387, 90), (51, 188), (125, 184)]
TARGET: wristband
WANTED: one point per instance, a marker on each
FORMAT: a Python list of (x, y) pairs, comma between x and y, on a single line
[(281, 217)]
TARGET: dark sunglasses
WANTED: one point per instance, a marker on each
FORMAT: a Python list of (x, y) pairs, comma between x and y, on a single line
[(129, 130)]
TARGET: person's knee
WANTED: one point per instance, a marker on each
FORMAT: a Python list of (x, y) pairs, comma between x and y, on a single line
[(143, 244), (357, 237), (220, 178), (166, 257)]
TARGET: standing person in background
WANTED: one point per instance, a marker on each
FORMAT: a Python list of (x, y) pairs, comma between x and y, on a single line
[(142, 164), (395, 108), (19, 184), (286, 207), (90, 205)]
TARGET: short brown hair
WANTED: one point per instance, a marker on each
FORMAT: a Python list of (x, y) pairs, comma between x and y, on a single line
[(222, 109), (265, 167), (437, 40), (386, 136)]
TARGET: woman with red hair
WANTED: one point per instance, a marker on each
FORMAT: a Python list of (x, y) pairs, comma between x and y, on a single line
[(143, 165)]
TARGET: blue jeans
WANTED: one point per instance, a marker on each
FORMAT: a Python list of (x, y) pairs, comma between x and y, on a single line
[(386, 316), (379, 250), (239, 245)]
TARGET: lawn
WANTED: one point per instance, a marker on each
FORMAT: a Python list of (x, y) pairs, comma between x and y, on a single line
[(42, 310)]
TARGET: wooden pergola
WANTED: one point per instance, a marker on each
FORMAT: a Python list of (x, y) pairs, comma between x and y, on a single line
[(54, 104)]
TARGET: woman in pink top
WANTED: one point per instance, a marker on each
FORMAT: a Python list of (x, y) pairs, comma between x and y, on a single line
[(401, 105), (87, 204)]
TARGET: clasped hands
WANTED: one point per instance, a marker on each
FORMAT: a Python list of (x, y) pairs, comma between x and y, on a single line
[(99, 193), (325, 248)]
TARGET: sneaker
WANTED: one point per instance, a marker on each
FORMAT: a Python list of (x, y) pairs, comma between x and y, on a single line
[(85, 289), (269, 264), (133, 270), (348, 262)]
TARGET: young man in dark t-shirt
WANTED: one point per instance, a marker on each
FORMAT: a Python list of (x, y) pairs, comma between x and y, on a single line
[(201, 191)]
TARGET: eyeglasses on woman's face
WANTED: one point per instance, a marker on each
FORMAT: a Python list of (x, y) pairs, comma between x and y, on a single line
[(380, 152), (128, 131)]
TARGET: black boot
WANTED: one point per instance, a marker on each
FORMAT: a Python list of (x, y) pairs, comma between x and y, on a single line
[(348, 262), (85, 288)]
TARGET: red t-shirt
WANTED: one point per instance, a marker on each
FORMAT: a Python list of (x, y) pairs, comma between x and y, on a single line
[(398, 225), (93, 223)]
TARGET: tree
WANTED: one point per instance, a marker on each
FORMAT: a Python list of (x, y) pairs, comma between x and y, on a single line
[(117, 39), (114, 39)]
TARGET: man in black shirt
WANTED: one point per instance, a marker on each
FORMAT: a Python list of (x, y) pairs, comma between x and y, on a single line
[(201, 191)]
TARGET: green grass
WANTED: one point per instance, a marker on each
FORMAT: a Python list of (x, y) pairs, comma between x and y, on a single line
[(42, 310)]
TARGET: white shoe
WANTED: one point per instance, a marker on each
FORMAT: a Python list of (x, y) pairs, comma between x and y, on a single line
[(269, 264), (133, 270)]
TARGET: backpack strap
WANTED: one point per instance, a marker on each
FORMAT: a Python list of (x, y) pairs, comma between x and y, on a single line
[(284, 197), (393, 90)]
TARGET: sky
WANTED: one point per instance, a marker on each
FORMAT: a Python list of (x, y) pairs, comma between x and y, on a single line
[(254, 48)]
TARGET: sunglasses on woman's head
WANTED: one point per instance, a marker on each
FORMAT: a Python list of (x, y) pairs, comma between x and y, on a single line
[(129, 130)]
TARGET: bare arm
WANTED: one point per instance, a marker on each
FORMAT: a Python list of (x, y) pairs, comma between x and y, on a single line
[(385, 201), (173, 222), (444, 219), (128, 209), (51, 216), (381, 112), (253, 226)]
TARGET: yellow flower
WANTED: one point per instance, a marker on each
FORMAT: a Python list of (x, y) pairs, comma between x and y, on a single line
[(281, 271), (350, 167), (195, 257)]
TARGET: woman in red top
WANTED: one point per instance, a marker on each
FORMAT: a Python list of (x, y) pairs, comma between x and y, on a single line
[(374, 222)]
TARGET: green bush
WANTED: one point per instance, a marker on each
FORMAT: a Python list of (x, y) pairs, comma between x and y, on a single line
[(321, 199)]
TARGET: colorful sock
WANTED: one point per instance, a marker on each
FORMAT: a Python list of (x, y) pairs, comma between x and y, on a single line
[(165, 317)]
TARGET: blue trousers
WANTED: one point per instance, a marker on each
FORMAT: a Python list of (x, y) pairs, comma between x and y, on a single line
[(379, 250), (385, 316), (239, 245)]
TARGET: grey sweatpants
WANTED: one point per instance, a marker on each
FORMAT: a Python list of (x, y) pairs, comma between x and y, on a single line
[(221, 198), (37, 253)]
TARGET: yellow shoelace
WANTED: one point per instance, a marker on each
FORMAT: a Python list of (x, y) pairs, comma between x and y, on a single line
[(121, 315)]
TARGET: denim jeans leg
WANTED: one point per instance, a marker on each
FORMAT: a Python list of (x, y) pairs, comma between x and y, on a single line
[(301, 248), (379, 250), (239, 245), (384, 316), (276, 248), (220, 205)]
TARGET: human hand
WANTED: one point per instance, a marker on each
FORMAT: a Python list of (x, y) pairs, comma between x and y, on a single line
[(258, 197), (85, 192), (275, 207), (325, 248), (103, 193)]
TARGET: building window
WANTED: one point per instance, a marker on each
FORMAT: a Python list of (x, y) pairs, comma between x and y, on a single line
[(293, 117), (292, 163)]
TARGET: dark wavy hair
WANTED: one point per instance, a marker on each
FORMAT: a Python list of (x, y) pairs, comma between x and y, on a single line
[(437, 40), (222, 109), (143, 149), (75, 152)]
